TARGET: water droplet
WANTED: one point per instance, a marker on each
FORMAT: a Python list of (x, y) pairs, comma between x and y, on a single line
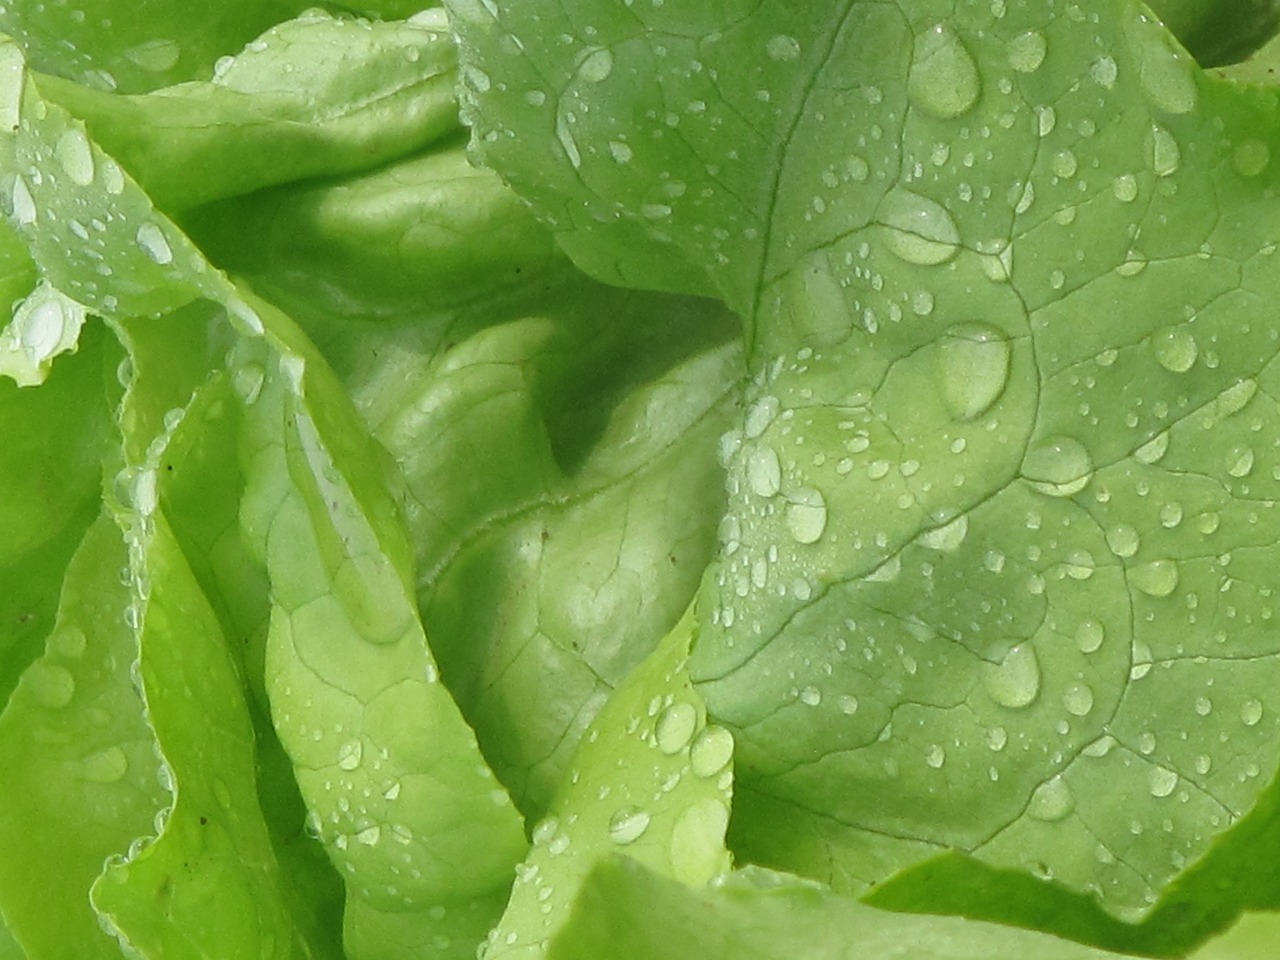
[(350, 754), (105, 766), (1161, 781), (247, 382), (1203, 706), (1051, 801), (920, 230), (1250, 158), (1165, 155), (1240, 461), (1251, 713), (153, 243), (370, 836), (620, 151), (1027, 50), (1089, 635), (1165, 73), (935, 756), (76, 156), (1064, 164), (711, 751), (628, 825), (564, 135), (1159, 578), (762, 413), (1170, 515), (1014, 682), (42, 326), (675, 727), (1153, 450), (24, 205), (947, 537), (1058, 466), (1123, 540), (848, 704), (1078, 699), (764, 472), (597, 66), (973, 368), (782, 48), (1103, 72), (51, 685), (1125, 188), (1175, 349), (806, 515), (997, 738), (943, 78), (1208, 523)]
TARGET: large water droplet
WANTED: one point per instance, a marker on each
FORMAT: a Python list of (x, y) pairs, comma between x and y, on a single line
[(764, 472), (350, 755), (1089, 635), (51, 685), (597, 66), (1123, 540), (947, 537), (943, 78), (1077, 699), (711, 751), (153, 243), (920, 230), (1161, 781), (1251, 713), (806, 515), (1165, 154), (76, 156), (106, 766), (1051, 801), (675, 727), (973, 368), (1175, 349), (1026, 51), (1165, 73), (1014, 682), (628, 825), (1058, 466), (1159, 578), (24, 205)]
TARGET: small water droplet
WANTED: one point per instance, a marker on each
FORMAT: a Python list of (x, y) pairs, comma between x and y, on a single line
[(935, 756), (76, 156), (762, 413), (1171, 515), (1162, 781), (350, 754), (1103, 72), (1123, 540), (1175, 349), (973, 369), (711, 751), (848, 704), (1058, 466), (1159, 578), (1051, 801), (947, 537), (675, 727), (1203, 706), (628, 825), (247, 382), (1014, 682), (943, 77), (24, 205), (153, 243), (1240, 461), (621, 152), (1027, 50), (1089, 635), (920, 230), (370, 836), (806, 516), (782, 48), (1251, 712), (1165, 154), (1078, 699), (1125, 188)]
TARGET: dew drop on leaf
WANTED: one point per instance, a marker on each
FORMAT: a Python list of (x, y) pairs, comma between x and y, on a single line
[(628, 825), (1089, 635), (921, 230), (1161, 781), (1078, 699), (1250, 158), (1027, 51), (943, 78), (1175, 349), (1014, 682), (806, 516), (24, 205), (1058, 466), (76, 156), (1159, 578), (1123, 540), (105, 766), (675, 727), (973, 369), (153, 243), (764, 472), (711, 751), (1051, 801), (1165, 73), (350, 755), (51, 685), (1251, 713)]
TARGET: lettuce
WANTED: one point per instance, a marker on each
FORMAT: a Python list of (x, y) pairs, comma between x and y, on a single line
[(593, 479)]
